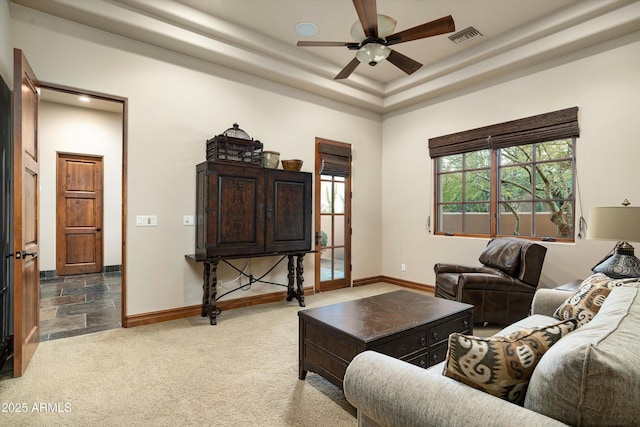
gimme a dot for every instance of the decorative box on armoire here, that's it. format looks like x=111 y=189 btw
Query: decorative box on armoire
x=244 y=210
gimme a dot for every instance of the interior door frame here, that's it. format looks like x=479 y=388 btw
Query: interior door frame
x=346 y=281
x=125 y=108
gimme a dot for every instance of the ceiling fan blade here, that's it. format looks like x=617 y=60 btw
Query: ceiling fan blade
x=433 y=28
x=346 y=71
x=405 y=63
x=368 y=15
x=314 y=43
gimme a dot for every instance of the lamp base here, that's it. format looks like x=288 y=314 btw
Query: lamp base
x=622 y=265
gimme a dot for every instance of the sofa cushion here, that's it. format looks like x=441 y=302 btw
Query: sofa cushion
x=592 y=376
x=586 y=301
x=502 y=365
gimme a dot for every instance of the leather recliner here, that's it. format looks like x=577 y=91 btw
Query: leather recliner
x=501 y=290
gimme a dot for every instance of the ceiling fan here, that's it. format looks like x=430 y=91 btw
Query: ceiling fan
x=374 y=36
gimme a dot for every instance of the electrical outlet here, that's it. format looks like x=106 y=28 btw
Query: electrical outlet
x=403 y=267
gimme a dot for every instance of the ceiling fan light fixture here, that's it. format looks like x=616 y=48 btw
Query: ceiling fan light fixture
x=386 y=26
x=372 y=53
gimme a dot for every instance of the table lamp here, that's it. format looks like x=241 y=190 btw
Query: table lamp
x=621 y=223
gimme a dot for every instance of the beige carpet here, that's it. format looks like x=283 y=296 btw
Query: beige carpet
x=242 y=372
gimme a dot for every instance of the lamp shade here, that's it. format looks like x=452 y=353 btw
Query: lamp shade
x=619 y=223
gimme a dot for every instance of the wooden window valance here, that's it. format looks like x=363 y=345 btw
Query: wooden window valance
x=334 y=160
x=543 y=127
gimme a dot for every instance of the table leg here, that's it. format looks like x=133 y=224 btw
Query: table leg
x=209 y=291
x=295 y=273
x=302 y=373
x=300 y=280
x=290 y=276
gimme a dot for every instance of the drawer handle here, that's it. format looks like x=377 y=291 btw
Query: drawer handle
x=423 y=363
x=435 y=357
x=466 y=323
x=423 y=341
x=434 y=335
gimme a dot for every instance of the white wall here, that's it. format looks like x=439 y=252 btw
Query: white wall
x=603 y=84
x=67 y=129
x=6 y=47
x=175 y=104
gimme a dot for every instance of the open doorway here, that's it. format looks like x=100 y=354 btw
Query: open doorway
x=76 y=130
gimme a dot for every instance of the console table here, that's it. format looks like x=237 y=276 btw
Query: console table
x=210 y=279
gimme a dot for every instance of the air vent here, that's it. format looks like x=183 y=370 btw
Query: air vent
x=465 y=35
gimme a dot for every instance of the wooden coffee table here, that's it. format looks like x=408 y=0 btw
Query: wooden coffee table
x=406 y=325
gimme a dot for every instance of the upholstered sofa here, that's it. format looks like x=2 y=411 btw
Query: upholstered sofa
x=590 y=376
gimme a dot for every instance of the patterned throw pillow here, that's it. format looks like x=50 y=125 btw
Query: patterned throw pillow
x=587 y=300
x=502 y=365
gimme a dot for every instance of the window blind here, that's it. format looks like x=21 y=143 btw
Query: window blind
x=543 y=127
x=334 y=160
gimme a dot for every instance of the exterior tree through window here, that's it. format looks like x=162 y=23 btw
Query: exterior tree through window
x=521 y=185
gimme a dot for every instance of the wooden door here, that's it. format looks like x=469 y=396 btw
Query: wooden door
x=79 y=213
x=289 y=212
x=333 y=215
x=26 y=279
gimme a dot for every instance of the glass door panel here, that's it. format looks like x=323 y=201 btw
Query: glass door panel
x=333 y=265
x=332 y=228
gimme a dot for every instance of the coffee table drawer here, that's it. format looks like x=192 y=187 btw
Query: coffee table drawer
x=441 y=332
x=405 y=345
x=430 y=358
x=337 y=342
x=438 y=354
x=422 y=360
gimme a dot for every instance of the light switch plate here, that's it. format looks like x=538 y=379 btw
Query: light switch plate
x=188 y=220
x=146 y=220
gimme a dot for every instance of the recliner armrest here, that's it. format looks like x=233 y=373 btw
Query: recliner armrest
x=453 y=268
x=492 y=282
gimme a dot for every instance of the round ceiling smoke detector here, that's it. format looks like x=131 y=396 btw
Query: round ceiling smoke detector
x=306 y=29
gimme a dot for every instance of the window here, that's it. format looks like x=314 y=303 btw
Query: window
x=523 y=185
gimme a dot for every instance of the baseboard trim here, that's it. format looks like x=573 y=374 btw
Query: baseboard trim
x=196 y=310
x=52 y=274
x=368 y=281
x=395 y=281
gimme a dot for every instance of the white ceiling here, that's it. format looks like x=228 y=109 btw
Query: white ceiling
x=276 y=19
x=257 y=37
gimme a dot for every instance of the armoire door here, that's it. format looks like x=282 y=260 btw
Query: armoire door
x=289 y=211
x=230 y=210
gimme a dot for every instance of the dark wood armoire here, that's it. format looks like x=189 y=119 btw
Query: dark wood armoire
x=246 y=211
x=250 y=211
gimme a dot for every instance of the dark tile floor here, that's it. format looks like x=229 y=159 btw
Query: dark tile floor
x=80 y=304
